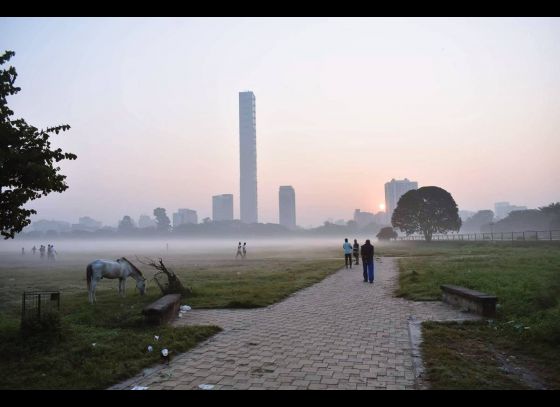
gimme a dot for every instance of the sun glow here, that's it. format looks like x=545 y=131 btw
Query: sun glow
x=382 y=206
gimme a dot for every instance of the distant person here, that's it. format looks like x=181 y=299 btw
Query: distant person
x=239 y=253
x=23 y=251
x=34 y=250
x=367 y=252
x=51 y=253
x=356 y=252
x=347 y=253
x=244 y=249
x=42 y=251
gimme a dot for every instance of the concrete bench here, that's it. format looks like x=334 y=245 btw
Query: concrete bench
x=471 y=300
x=162 y=310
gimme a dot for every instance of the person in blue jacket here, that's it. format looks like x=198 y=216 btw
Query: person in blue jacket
x=347 y=253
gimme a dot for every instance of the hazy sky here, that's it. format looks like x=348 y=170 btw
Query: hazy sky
x=343 y=105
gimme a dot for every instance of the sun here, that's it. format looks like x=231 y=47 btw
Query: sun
x=382 y=206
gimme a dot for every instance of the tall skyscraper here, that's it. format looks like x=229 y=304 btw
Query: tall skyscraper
x=248 y=158
x=393 y=191
x=287 y=202
x=222 y=207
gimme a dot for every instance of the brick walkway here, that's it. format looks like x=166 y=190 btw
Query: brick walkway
x=340 y=333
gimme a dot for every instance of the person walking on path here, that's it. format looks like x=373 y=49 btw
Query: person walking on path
x=239 y=251
x=42 y=251
x=367 y=252
x=347 y=253
x=356 y=252
x=244 y=249
x=34 y=250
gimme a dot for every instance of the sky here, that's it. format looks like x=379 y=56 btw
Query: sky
x=343 y=105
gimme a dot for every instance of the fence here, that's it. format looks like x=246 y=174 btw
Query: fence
x=36 y=304
x=528 y=235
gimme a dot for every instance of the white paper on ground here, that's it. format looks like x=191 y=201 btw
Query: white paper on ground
x=139 y=388
x=206 y=386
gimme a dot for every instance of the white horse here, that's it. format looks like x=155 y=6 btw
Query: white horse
x=120 y=268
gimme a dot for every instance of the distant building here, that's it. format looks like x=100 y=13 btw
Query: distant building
x=183 y=216
x=464 y=215
x=222 y=207
x=394 y=189
x=287 y=206
x=87 y=224
x=363 y=218
x=248 y=158
x=380 y=218
x=502 y=209
x=146 y=222
x=44 y=225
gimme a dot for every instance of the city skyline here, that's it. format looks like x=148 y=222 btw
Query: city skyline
x=469 y=105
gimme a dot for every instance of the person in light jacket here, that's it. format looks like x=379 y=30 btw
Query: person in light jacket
x=347 y=253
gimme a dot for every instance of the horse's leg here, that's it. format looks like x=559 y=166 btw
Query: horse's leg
x=120 y=287
x=123 y=286
x=93 y=285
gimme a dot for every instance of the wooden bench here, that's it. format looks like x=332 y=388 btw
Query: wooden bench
x=471 y=300
x=162 y=310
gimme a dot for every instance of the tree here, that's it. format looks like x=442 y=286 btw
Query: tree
x=173 y=284
x=478 y=220
x=126 y=225
x=387 y=233
x=426 y=210
x=27 y=169
x=162 y=220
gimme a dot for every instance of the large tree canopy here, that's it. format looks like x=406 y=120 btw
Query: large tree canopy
x=27 y=169
x=426 y=210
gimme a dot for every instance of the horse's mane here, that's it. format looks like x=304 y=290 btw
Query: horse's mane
x=133 y=266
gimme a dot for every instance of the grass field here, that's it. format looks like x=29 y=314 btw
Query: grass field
x=116 y=326
x=526 y=279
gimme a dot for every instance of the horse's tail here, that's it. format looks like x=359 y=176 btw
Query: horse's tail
x=89 y=274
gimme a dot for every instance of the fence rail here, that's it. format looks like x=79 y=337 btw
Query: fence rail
x=528 y=235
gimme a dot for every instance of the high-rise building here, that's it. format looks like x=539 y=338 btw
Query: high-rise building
x=248 y=158
x=363 y=218
x=287 y=204
x=393 y=192
x=183 y=216
x=222 y=207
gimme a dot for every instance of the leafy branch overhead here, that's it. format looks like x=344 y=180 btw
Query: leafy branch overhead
x=27 y=161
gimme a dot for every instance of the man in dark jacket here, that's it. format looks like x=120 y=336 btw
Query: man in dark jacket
x=367 y=252
x=356 y=252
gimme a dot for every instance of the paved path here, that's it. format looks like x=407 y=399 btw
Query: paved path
x=340 y=333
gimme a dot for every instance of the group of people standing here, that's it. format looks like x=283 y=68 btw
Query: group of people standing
x=366 y=252
x=241 y=250
x=51 y=253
